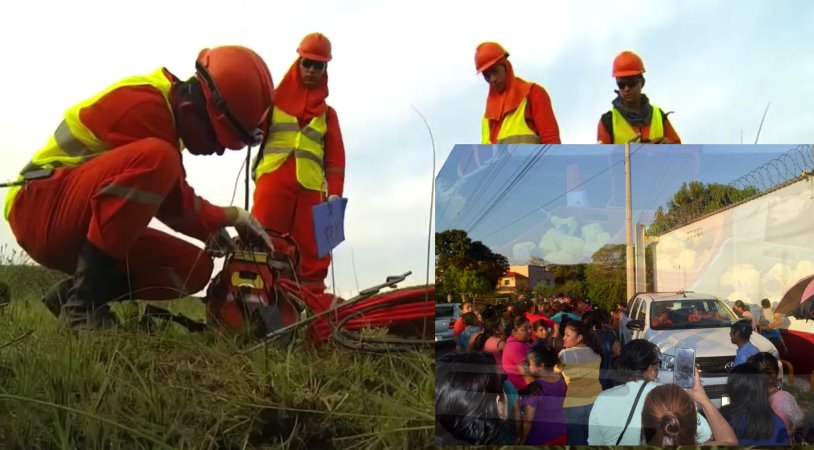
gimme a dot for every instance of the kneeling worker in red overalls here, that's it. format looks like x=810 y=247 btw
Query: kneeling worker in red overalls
x=114 y=163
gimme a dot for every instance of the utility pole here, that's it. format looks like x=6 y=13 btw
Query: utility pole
x=641 y=277
x=629 y=256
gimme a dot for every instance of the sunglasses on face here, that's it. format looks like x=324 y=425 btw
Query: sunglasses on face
x=249 y=137
x=311 y=64
x=630 y=82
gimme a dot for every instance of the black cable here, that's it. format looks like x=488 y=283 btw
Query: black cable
x=562 y=195
x=525 y=170
x=443 y=214
x=483 y=184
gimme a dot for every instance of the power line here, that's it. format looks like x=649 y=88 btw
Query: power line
x=483 y=183
x=541 y=151
x=561 y=195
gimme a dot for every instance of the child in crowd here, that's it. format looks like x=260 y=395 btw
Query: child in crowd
x=544 y=422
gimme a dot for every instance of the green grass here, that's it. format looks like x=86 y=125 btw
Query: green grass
x=130 y=389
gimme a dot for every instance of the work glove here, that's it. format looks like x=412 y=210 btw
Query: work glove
x=250 y=230
x=220 y=243
x=333 y=197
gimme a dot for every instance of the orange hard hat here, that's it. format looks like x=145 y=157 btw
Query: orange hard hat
x=487 y=54
x=315 y=46
x=627 y=64
x=239 y=93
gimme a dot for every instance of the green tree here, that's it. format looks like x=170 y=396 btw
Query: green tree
x=576 y=289
x=545 y=290
x=605 y=276
x=466 y=266
x=565 y=273
x=694 y=199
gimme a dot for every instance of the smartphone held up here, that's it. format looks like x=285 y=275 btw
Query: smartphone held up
x=684 y=375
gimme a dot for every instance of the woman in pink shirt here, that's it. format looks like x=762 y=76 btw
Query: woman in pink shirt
x=515 y=351
x=782 y=402
x=496 y=340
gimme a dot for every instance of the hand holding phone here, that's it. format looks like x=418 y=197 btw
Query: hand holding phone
x=684 y=374
x=697 y=392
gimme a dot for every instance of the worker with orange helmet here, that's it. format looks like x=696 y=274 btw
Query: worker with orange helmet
x=114 y=163
x=517 y=112
x=303 y=160
x=632 y=117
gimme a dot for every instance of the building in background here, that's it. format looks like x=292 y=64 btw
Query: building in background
x=524 y=278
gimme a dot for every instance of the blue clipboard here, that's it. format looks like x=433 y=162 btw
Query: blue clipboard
x=329 y=224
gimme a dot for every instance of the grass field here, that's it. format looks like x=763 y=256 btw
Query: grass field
x=130 y=389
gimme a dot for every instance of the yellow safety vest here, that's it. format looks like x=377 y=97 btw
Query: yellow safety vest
x=624 y=133
x=513 y=129
x=307 y=144
x=73 y=143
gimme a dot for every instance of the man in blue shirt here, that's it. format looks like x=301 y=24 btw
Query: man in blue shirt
x=739 y=334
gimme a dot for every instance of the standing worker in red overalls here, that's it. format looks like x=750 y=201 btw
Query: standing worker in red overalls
x=303 y=159
x=114 y=163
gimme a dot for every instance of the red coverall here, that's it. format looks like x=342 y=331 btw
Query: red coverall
x=110 y=200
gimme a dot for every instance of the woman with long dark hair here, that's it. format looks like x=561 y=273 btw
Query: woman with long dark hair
x=496 y=332
x=470 y=404
x=544 y=422
x=579 y=360
x=749 y=411
x=515 y=350
x=782 y=402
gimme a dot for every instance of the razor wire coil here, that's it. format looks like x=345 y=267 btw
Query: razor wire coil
x=786 y=168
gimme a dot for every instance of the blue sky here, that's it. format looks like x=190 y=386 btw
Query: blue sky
x=528 y=190
x=715 y=63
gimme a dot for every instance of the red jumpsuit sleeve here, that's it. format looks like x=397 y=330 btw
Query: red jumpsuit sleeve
x=670 y=132
x=132 y=113
x=602 y=134
x=542 y=115
x=334 y=155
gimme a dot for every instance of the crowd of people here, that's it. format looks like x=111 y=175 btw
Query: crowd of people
x=553 y=372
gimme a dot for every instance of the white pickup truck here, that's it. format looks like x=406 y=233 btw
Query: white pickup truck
x=697 y=320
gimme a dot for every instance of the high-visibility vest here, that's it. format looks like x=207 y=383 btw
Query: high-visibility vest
x=513 y=128
x=624 y=133
x=306 y=144
x=73 y=143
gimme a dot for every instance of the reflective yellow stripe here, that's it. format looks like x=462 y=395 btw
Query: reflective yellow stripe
x=277 y=127
x=308 y=131
x=313 y=134
x=68 y=142
x=129 y=193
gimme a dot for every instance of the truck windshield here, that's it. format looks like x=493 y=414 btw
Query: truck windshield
x=690 y=313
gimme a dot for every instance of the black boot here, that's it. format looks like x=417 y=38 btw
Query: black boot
x=57 y=296
x=95 y=283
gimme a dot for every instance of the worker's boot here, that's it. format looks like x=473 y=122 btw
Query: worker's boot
x=57 y=296
x=95 y=283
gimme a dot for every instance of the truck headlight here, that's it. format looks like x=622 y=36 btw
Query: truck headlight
x=667 y=362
